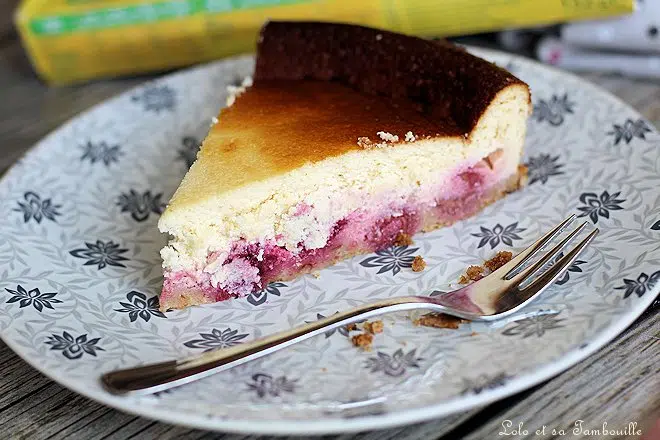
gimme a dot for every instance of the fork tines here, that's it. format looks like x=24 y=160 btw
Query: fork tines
x=518 y=272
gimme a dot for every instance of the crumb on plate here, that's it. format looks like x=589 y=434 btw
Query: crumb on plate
x=499 y=260
x=363 y=340
x=418 y=264
x=473 y=273
x=374 y=327
x=438 y=320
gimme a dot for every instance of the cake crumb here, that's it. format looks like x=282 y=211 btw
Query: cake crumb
x=403 y=239
x=368 y=144
x=364 y=142
x=474 y=334
x=235 y=91
x=363 y=340
x=324 y=370
x=410 y=137
x=499 y=260
x=473 y=273
x=523 y=175
x=379 y=37
x=374 y=327
x=438 y=320
x=351 y=327
x=388 y=137
x=418 y=264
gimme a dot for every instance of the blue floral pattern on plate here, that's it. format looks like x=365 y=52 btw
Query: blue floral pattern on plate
x=80 y=271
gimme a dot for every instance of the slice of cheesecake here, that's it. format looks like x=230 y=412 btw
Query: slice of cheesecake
x=347 y=140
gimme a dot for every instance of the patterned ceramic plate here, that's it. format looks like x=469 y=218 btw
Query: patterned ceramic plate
x=80 y=270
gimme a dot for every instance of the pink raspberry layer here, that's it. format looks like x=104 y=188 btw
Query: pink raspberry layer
x=357 y=233
x=362 y=231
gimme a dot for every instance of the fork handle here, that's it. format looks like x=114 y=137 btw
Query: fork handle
x=161 y=376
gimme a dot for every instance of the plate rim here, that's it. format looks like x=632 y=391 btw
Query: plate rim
x=321 y=426
x=325 y=425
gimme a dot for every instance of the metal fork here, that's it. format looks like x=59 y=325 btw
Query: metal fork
x=498 y=295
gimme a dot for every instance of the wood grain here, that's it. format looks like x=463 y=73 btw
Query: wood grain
x=33 y=407
x=618 y=384
x=7 y=31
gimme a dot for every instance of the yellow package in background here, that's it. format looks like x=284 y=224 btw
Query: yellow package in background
x=76 y=40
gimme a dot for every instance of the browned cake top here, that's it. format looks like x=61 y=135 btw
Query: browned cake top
x=319 y=87
x=277 y=125
x=448 y=85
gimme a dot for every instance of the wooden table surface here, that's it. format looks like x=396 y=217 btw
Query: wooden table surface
x=619 y=384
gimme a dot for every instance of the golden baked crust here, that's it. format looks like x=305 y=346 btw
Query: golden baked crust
x=443 y=81
x=319 y=87
x=277 y=126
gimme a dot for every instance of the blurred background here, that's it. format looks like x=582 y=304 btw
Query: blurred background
x=58 y=57
x=69 y=41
